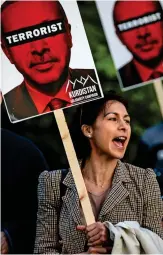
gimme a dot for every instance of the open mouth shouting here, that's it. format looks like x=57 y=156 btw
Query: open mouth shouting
x=120 y=142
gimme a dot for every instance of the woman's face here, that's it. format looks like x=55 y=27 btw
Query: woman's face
x=111 y=131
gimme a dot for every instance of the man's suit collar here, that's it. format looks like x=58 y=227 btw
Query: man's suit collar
x=19 y=103
x=129 y=75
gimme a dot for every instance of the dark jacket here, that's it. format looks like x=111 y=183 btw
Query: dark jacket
x=21 y=164
x=150 y=151
x=129 y=75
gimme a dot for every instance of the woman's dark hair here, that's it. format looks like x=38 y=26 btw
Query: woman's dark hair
x=87 y=115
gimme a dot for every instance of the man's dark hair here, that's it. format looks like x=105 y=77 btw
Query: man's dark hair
x=87 y=114
x=8 y=3
x=156 y=2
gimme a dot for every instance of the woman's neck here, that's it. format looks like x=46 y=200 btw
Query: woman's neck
x=99 y=170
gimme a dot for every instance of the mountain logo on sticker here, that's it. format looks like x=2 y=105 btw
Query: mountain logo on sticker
x=82 y=82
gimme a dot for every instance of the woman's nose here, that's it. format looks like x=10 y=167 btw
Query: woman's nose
x=122 y=125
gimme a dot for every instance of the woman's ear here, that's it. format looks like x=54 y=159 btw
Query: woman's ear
x=87 y=130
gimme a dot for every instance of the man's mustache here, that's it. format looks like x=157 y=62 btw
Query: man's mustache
x=145 y=42
x=43 y=60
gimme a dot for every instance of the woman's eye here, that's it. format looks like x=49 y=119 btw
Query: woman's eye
x=127 y=121
x=114 y=119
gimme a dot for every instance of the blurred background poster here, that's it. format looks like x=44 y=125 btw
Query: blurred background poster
x=134 y=33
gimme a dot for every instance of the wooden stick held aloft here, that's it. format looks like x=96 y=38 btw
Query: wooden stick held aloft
x=74 y=165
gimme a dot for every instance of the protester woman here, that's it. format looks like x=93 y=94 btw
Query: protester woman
x=118 y=191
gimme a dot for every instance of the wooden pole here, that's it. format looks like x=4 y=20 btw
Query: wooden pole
x=74 y=165
x=158 y=86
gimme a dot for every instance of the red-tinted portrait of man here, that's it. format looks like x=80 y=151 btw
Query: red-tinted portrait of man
x=36 y=38
x=139 y=26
